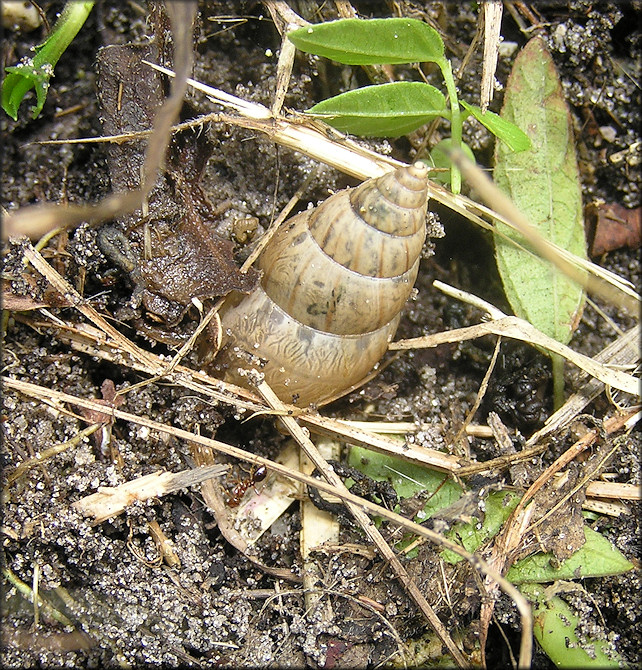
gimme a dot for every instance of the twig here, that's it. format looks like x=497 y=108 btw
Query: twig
x=519 y=523
x=75 y=299
x=36 y=220
x=480 y=393
x=110 y=501
x=492 y=13
x=56 y=449
x=323 y=143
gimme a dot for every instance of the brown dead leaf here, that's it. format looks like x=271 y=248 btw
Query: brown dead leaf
x=613 y=227
x=21 y=302
x=109 y=399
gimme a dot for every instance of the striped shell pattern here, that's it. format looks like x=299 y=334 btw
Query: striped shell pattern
x=335 y=279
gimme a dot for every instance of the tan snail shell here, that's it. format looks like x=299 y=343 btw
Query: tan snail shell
x=335 y=279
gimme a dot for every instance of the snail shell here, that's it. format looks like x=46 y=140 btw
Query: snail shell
x=335 y=279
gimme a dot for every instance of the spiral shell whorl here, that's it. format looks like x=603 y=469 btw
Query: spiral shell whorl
x=335 y=279
x=302 y=364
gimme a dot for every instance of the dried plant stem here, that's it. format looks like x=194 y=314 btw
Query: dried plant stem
x=609 y=427
x=325 y=144
x=519 y=329
x=54 y=450
x=34 y=221
x=108 y=502
x=519 y=523
x=492 y=13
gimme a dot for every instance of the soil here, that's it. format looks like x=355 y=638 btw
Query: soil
x=124 y=608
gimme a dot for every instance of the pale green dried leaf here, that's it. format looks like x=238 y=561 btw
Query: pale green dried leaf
x=544 y=184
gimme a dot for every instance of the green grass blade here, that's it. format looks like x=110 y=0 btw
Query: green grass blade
x=515 y=138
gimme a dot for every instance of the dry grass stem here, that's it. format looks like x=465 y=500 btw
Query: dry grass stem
x=317 y=526
x=520 y=524
x=519 y=329
x=614 y=491
x=337 y=489
x=109 y=501
x=36 y=220
x=387 y=553
x=622 y=352
x=325 y=144
x=292 y=470
x=492 y=17
x=365 y=522
x=52 y=451
x=110 y=344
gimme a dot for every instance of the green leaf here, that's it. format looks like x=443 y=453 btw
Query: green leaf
x=37 y=71
x=596 y=558
x=471 y=536
x=555 y=627
x=516 y=139
x=544 y=184
x=407 y=479
x=18 y=82
x=386 y=110
x=372 y=41
x=439 y=491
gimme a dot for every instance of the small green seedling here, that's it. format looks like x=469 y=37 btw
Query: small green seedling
x=538 y=170
x=37 y=71
x=391 y=110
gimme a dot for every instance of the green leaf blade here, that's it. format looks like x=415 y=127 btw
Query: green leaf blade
x=371 y=42
x=544 y=184
x=555 y=626
x=36 y=72
x=515 y=138
x=498 y=507
x=407 y=479
x=596 y=558
x=19 y=81
x=386 y=110
x=14 y=88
